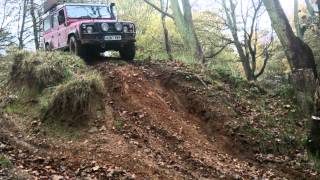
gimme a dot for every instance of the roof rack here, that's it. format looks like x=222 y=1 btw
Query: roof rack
x=51 y=4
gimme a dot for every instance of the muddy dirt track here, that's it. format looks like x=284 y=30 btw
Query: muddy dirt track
x=159 y=122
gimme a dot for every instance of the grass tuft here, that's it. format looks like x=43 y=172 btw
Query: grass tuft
x=60 y=86
x=76 y=100
x=37 y=71
x=5 y=162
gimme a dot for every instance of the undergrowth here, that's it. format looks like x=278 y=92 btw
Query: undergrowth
x=76 y=99
x=269 y=118
x=54 y=86
x=37 y=71
x=5 y=162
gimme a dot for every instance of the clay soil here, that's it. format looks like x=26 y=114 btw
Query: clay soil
x=159 y=122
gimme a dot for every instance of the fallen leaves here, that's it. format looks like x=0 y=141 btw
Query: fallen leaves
x=170 y=142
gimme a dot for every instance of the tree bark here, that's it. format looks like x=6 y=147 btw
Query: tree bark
x=22 y=28
x=309 y=7
x=34 y=25
x=297 y=20
x=232 y=25
x=299 y=54
x=184 y=23
x=164 y=8
x=301 y=60
x=4 y=14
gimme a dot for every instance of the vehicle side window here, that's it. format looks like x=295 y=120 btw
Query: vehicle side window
x=55 y=20
x=47 y=23
x=61 y=17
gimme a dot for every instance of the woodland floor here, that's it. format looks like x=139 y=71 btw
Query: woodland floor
x=160 y=121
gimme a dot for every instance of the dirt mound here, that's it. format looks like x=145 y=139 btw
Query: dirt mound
x=160 y=122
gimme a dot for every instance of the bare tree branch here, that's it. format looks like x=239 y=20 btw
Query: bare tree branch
x=219 y=51
x=158 y=9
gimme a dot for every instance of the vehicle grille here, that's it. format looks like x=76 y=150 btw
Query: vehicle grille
x=97 y=28
x=112 y=28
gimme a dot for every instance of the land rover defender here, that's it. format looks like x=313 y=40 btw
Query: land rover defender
x=87 y=29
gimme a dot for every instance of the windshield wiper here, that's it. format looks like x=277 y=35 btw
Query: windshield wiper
x=85 y=17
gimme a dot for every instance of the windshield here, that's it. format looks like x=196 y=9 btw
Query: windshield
x=82 y=11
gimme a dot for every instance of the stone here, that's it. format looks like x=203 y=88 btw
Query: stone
x=96 y=168
x=2 y=146
x=57 y=177
x=93 y=130
x=103 y=128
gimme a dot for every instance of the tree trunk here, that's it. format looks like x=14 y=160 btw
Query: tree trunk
x=182 y=17
x=184 y=23
x=22 y=28
x=301 y=60
x=4 y=14
x=34 y=25
x=244 y=60
x=297 y=20
x=314 y=143
x=299 y=54
x=232 y=25
x=309 y=7
x=319 y=14
x=165 y=29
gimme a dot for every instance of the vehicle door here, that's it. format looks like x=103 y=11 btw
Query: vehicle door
x=47 y=31
x=63 y=34
x=55 y=31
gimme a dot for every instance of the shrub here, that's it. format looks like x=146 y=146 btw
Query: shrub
x=285 y=91
x=76 y=100
x=4 y=71
x=63 y=88
x=226 y=74
x=5 y=162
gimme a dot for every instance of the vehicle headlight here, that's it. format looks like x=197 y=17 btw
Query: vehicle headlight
x=118 y=26
x=83 y=26
x=105 y=26
x=89 y=29
x=125 y=29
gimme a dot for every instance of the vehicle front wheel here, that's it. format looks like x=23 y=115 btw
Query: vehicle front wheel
x=47 y=47
x=128 y=52
x=93 y=51
x=75 y=47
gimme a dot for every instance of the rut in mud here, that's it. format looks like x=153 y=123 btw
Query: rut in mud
x=159 y=122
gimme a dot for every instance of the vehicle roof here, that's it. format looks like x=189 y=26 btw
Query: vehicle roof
x=72 y=4
x=81 y=4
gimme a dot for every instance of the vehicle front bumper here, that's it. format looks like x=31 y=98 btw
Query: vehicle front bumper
x=98 y=39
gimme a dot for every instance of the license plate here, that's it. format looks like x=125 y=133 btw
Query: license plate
x=112 y=38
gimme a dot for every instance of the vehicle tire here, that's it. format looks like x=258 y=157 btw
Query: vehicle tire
x=47 y=47
x=93 y=51
x=75 y=47
x=128 y=52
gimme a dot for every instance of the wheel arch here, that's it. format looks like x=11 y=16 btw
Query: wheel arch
x=75 y=34
x=47 y=45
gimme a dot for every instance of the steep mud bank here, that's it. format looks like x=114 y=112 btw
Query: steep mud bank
x=159 y=122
